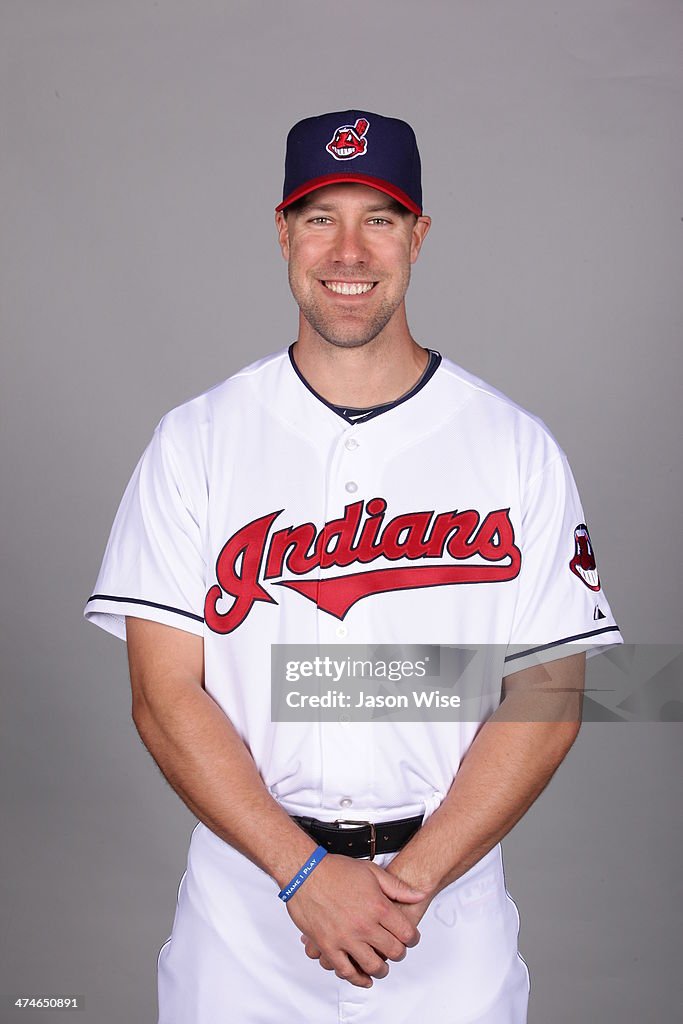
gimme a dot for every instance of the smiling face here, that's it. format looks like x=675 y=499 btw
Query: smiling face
x=349 y=250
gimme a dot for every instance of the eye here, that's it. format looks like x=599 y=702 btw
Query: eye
x=318 y=220
x=379 y=220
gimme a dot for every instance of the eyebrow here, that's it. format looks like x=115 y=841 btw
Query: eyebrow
x=329 y=207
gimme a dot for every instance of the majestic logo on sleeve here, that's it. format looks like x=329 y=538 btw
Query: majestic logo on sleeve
x=583 y=562
x=349 y=141
x=482 y=551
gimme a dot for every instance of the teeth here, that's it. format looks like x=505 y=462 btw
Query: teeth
x=348 y=288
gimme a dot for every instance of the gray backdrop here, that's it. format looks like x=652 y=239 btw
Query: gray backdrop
x=142 y=159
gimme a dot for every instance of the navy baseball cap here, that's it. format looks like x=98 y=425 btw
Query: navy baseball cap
x=353 y=145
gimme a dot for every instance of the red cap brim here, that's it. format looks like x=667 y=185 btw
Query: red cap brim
x=361 y=179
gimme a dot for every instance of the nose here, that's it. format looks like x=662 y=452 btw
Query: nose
x=349 y=245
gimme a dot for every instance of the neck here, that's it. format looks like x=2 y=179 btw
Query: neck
x=381 y=371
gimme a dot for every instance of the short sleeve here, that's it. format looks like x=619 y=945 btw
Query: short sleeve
x=561 y=608
x=153 y=566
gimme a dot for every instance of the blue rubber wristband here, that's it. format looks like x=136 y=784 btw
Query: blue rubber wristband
x=301 y=876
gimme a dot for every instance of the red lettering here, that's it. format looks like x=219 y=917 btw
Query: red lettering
x=462 y=544
x=343 y=530
x=367 y=550
x=301 y=540
x=301 y=549
x=496 y=538
x=413 y=527
x=242 y=584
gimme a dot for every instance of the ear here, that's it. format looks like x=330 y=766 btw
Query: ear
x=282 y=233
x=420 y=229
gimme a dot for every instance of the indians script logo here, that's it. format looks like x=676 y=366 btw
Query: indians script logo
x=359 y=538
x=583 y=563
x=349 y=141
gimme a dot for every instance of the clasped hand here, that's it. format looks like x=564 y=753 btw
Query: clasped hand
x=354 y=916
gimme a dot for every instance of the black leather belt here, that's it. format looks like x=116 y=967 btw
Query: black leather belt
x=360 y=838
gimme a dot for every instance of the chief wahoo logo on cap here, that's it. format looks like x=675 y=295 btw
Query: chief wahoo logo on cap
x=349 y=141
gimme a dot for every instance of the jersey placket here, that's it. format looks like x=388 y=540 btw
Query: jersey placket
x=347 y=754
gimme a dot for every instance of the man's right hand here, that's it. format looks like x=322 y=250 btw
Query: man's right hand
x=345 y=906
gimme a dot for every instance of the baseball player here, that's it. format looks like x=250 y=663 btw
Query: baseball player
x=353 y=488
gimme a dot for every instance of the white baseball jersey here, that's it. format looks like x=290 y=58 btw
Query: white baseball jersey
x=259 y=515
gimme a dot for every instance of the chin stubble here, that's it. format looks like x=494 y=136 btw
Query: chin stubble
x=354 y=336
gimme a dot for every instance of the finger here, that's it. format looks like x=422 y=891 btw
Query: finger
x=396 y=889
x=400 y=927
x=367 y=960
x=387 y=945
x=312 y=950
x=347 y=970
x=326 y=964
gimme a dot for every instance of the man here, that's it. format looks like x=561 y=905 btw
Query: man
x=287 y=506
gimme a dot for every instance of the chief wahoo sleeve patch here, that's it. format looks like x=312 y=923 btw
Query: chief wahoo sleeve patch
x=583 y=563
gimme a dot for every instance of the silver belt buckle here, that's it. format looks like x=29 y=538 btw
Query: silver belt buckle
x=345 y=822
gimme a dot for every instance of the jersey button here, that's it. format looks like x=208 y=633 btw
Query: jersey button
x=342 y=630
x=350 y=444
x=351 y=487
x=346 y=801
